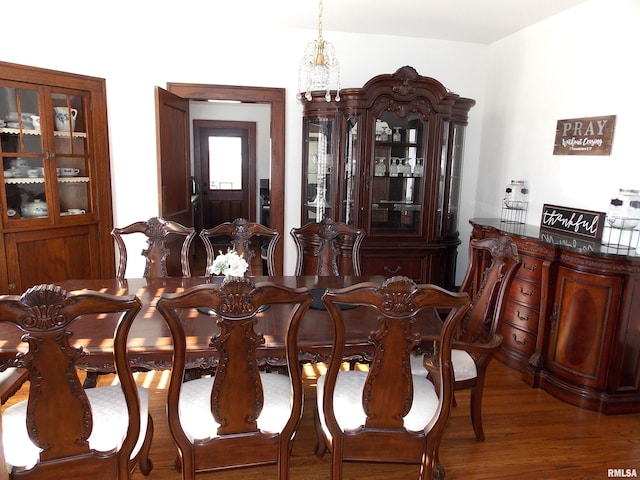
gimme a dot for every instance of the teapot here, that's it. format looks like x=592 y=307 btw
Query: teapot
x=36 y=208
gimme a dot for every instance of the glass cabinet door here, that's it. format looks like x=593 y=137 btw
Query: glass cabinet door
x=70 y=153
x=43 y=145
x=397 y=184
x=351 y=177
x=23 y=152
x=318 y=183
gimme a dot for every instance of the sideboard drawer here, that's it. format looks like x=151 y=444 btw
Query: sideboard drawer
x=524 y=292
x=522 y=316
x=517 y=339
x=530 y=269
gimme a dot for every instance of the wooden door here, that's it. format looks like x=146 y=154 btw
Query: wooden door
x=174 y=167
x=227 y=179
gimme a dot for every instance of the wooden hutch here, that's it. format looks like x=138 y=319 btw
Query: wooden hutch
x=55 y=193
x=387 y=158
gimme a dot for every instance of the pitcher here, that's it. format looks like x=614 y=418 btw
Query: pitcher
x=65 y=119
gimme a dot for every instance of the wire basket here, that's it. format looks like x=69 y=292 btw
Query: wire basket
x=514 y=212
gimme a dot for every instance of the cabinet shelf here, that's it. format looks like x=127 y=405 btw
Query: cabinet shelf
x=27 y=180
x=26 y=131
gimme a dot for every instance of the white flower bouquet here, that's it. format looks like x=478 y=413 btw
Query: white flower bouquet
x=229 y=264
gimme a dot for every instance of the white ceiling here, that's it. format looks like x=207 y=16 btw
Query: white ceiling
x=476 y=21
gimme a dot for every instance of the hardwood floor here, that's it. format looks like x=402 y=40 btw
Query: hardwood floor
x=529 y=435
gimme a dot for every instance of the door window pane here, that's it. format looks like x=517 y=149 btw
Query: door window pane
x=225 y=163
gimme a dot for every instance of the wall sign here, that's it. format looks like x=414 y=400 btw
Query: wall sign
x=585 y=136
x=572 y=221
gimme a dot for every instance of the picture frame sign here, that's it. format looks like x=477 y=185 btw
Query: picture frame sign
x=572 y=221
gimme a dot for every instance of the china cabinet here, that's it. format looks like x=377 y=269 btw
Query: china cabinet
x=55 y=197
x=387 y=158
x=572 y=320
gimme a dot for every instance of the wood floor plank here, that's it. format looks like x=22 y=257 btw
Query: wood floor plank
x=529 y=435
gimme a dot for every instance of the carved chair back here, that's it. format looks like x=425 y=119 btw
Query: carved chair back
x=492 y=264
x=386 y=425
x=61 y=430
x=248 y=239
x=328 y=248
x=239 y=409
x=158 y=231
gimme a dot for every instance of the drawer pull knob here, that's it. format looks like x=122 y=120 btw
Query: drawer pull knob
x=394 y=271
x=531 y=268
x=524 y=319
x=526 y=294
x=519 y=342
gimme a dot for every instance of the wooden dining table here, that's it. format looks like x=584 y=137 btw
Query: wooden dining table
x=150 y=346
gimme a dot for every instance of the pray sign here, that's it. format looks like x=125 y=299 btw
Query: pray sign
x=585 y=136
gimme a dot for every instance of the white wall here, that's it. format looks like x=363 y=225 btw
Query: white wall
x=580 y=63
x=138 y=45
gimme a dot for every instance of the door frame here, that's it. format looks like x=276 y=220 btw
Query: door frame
x=275 y=98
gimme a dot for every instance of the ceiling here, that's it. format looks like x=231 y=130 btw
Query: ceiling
x=475 y=21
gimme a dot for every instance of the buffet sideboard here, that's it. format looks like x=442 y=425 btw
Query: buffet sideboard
x=572 y=319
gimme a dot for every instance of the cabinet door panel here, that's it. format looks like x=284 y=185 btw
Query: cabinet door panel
x=578 y=348
x=47 y=256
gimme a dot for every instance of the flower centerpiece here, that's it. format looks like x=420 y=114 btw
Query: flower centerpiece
x=229 y=264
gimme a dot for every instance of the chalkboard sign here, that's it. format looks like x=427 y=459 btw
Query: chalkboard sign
x=572 y=221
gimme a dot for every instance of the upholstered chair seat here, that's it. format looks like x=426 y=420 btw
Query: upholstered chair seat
x=110 y=423
x=195 y=406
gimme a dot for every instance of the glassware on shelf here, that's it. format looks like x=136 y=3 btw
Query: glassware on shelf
x=418 y=169
x=394 y=165
x=405 y=168
x=380 y=168
x=396 y=134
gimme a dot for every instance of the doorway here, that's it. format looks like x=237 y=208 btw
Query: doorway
x=225 y=170
x=275 y=98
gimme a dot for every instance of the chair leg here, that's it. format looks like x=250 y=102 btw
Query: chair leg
x=91 y=380
x=321 y=443
x=476 y=409
x=144 y=462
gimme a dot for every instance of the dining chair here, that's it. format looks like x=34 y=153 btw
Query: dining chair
x=240 y=416
x=493 y=262
x=62 y=430
x=158 y=231
x=328 y=248
x=386 y=414
x=253 y=241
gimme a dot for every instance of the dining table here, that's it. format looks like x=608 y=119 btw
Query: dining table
x=149 y=343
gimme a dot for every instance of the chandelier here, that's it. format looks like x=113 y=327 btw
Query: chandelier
x=318 y=67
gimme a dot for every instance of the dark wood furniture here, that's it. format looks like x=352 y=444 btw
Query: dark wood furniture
x=405 y=121
x=149 y=339
x=61 y=430
x=572 y=320
x=248 y=239
x=492 y=266
x=238 y=417
x=163 y=237
x=387 y=414
x=327 y=248
x=68 y=172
